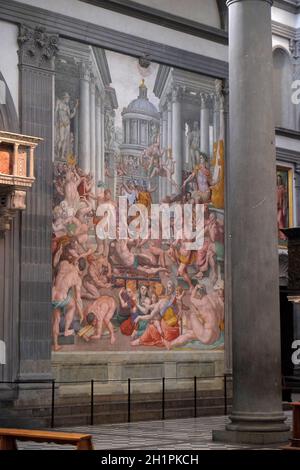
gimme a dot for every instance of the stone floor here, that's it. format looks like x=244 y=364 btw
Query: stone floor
x=181 y=434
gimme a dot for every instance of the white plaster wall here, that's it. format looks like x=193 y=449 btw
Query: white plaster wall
x=133 y=26
x=279 y=41
x=285 y=17
x=202 y=11
x=9 y=59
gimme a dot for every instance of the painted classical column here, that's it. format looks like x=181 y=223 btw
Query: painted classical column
x=93 y=127
x=84 y=119
x=177 y=135
x=204 y=136
x=169 y=139
x=102 y=159
x=257 y=415
x=216 y=109
x=98 y=175
x=164 y=145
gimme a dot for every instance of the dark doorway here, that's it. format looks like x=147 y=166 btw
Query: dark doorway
x=287 y=336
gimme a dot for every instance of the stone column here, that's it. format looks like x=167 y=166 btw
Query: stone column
x=84 y=119
x=102 y=159
x=204 y=136
x=257 y=415
x=297 y=195
x=223 y=108
x=127 y=141
x=168 y=188
x=98 y=175
x=216 y=109
x=93 y=128
x=164 y=145
x=37 y=51
x=177 y=136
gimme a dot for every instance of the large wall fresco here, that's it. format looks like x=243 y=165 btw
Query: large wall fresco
x=151 y=134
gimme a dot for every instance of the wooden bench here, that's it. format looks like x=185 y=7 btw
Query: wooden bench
x=8 y=438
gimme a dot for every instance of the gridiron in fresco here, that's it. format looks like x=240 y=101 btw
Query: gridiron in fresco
x=151 y=135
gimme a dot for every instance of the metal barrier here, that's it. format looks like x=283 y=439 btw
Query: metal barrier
x=53 y=384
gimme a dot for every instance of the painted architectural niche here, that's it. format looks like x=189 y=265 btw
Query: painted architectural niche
x=151 y=134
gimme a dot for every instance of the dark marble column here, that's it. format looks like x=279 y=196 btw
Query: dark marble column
x=37 y=50
x=257 y=415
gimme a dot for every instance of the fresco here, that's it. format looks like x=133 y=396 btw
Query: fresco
x=151 y=134
x=284 y=202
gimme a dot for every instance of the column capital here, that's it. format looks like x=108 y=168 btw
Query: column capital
x=205 y=100
x=93 y=84
x=229 y=2
x=37 y=48
x=294 y=47
x=84 y=71
x=176 y=94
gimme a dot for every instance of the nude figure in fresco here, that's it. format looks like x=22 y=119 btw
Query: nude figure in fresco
x=136 y=261
x=99 y=315
x=201 y=178
x=206 y=255
x=71 y=194
x=203 y=321
x=98 y=274
x=79 y=226
x=66 y=297
x=184 y=257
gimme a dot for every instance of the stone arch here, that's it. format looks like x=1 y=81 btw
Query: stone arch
x=282 y=92
x=8 y=114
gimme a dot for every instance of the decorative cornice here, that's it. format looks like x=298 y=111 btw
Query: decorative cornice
x=162 y=18
x=288 y=156
x=283 y=30
x=36 y=47
x=230 y=2
x=293 y=6
x=287 y=133
x=100 y=36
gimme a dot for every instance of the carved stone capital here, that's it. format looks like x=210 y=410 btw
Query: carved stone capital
x=295 y=48
x=205 y=100
x=84 y=71
x=177 y=94
x=37 y=47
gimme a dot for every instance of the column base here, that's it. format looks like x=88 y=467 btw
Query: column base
x=251 y=437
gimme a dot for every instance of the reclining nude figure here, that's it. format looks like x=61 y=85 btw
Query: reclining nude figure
x=99 y=314
x=137 y=261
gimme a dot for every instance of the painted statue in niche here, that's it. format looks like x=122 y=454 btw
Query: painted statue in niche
x=63 y=135
x=141 y=293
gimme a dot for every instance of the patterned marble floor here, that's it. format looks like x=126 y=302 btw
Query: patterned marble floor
x=181 y=434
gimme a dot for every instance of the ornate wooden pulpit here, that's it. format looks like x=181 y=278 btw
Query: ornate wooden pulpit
x=16 y=174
